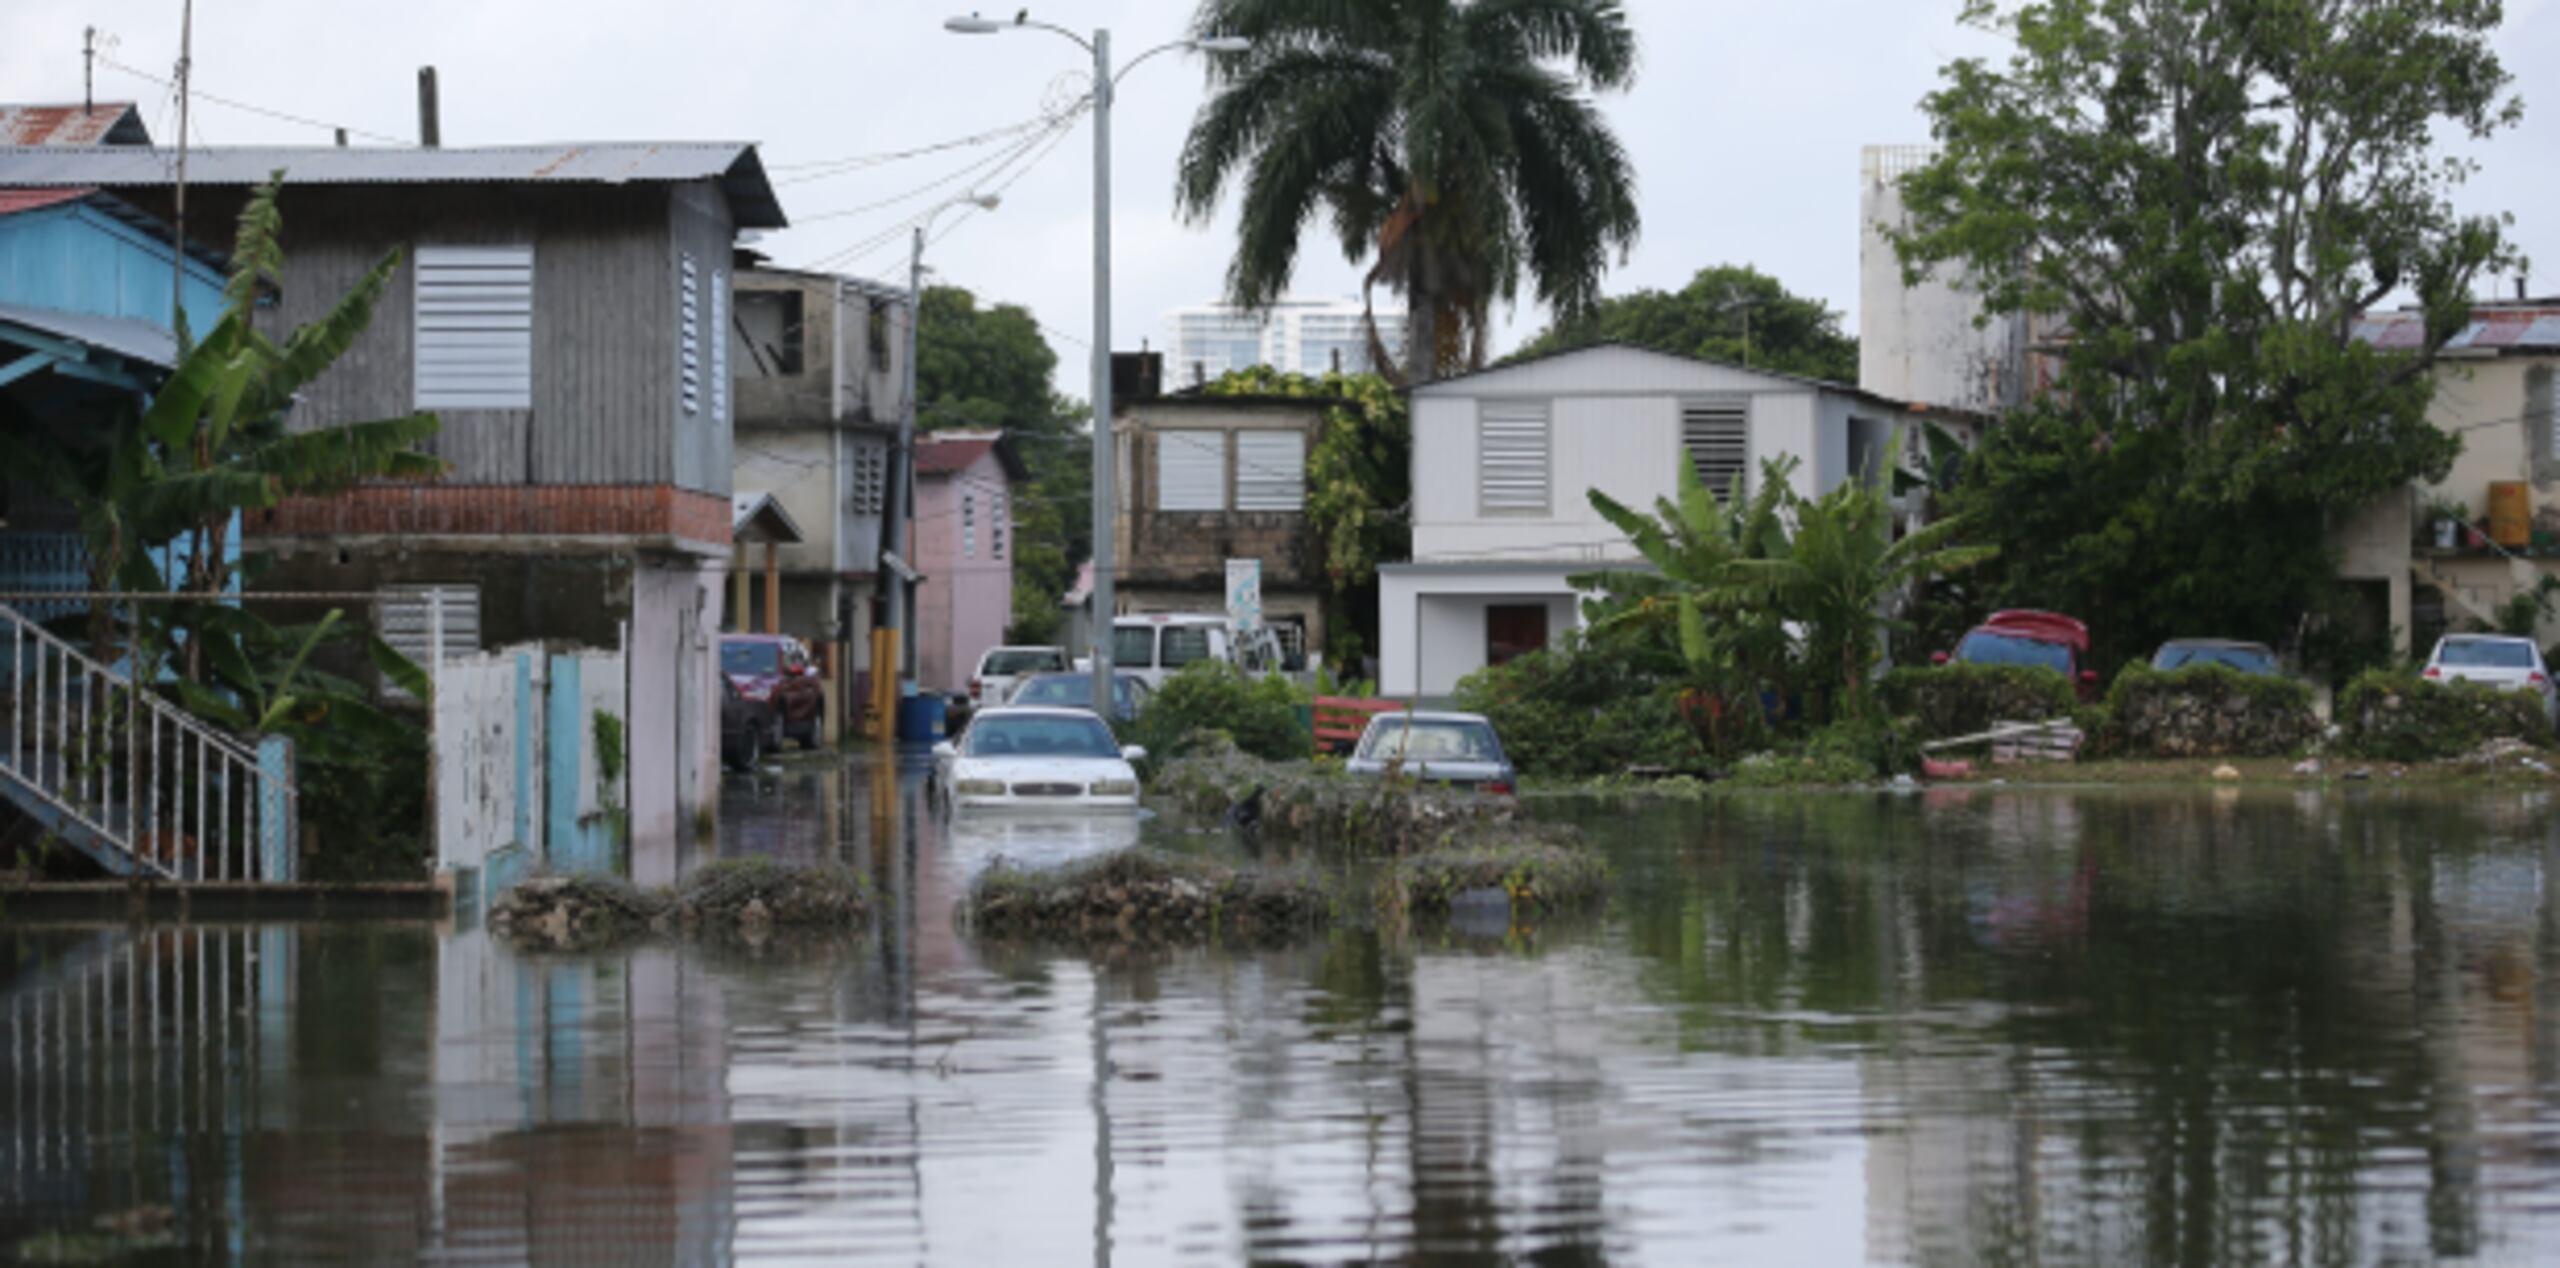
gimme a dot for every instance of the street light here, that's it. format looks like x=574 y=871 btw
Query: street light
x=887 y=657
x=1105 y=467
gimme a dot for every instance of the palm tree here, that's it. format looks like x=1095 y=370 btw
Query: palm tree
x=1451 y=141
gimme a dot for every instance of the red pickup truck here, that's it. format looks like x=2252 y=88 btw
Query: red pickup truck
x=2023 y=636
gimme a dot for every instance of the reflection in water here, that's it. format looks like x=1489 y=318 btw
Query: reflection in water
x=1973 y=1027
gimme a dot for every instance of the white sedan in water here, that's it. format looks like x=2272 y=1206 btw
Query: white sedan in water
x=1036 y=759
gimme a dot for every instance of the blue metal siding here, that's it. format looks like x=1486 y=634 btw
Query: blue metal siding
x=76 y=258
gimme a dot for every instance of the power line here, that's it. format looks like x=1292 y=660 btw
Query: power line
x=1028 y=153
x=280 y=115
x=824 y=169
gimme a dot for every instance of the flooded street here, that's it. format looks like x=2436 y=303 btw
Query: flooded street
x=1967 y=1026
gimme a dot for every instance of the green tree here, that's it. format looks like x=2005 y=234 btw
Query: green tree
x=1450 y=141
x=2204 y=193
x=1731 y=313
x=1359 y=479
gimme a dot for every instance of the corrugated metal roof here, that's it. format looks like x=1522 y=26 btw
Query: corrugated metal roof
x=942 y=457
x=2521 y=328
x=104 y=123
x=135 y=340
x=734 y=164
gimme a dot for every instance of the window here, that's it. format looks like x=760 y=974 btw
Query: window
x=1512 y=456
x=1271 y=471
x=869 y=480
x=969 y=525
x=1184 y=644
x=1191 y=471
x=411 y=616
x=995 y=526
x=1133 y=646
x=770 y=325
x=719 y=345
x=688 y=334
x=474 y=340
x=1716 y=435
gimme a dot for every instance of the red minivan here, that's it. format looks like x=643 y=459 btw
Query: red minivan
x=775 y=668
x=2023 y=636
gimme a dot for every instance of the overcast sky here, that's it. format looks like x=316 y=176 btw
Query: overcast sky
x=1745 y=121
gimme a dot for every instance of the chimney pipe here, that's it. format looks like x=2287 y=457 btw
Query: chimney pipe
x=342 y=138
x=2520 y=293
x=430 y=134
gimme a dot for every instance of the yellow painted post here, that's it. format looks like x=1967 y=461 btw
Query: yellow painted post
x=773 y=587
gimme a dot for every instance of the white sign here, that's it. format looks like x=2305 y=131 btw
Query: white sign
x=1244 y=594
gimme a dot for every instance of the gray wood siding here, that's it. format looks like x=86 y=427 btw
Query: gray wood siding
x=604 y=321
x=698 y=223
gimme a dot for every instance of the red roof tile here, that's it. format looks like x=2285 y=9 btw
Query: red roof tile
x=13 y=201
x=942 y=457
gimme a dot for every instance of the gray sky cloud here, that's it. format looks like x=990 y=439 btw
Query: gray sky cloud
x=1745 y=122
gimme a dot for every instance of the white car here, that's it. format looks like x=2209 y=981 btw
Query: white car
x=1001 y=669
x=2496 y=659
x=1036 y=758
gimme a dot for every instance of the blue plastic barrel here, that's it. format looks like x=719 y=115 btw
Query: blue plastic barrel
x=920 y=718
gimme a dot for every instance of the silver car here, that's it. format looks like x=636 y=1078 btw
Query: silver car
x=1458 y=749
x=2496 y=659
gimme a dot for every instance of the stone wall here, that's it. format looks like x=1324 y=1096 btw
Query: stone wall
x=2206 y=711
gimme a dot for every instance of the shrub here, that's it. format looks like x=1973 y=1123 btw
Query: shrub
x=1531 y=873
x=2206 y=711
x=2401 y=717
x=721 y=895
x=1584 y=712
x=1951 y=700
x=1211 y=697
x=1850 y=751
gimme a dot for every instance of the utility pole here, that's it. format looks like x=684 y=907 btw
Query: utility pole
x=888 y=656
x=1105 y=465
x=178 y=220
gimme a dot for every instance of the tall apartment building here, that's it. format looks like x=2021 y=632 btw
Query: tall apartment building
x=1307 y=336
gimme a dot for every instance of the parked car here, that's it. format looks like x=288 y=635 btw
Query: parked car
x=1129 y=693
x=1458 y=749
x=1036 y=758
x=1001 y=669
x=2498 y=660
x=2023 y=636
x=775 y=669
x=747 y=727
x=2187 y=653
x=1156 y=646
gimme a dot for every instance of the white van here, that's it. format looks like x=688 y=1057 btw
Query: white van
x=1156 y=646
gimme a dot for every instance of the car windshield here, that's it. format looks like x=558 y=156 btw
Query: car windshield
x=2248 y=660
x=1134 y=646
x=1041 y=736
x=750 y=658
x=1985 y=647
x=1390 y=739
x=1070 y=690
x=1023 y=661
x=2485 y=653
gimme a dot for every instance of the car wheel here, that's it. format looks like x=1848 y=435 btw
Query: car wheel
x=815 y=733
x=750 y=752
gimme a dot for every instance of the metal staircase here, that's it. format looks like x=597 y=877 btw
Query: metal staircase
x=139 y=786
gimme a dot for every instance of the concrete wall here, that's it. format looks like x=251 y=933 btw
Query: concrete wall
x=674 y=728
x=1922 y=343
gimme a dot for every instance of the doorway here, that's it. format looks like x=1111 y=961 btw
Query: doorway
x=1513 y=629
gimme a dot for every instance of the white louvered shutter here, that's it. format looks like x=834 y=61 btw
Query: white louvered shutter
x=969 y=525
x=474 y=327
x=408 y=623
x=1716 y=436
x=1513 y=457
x=688 y=333
x=719 y=345
x=1271 y=471
x=1191 y=471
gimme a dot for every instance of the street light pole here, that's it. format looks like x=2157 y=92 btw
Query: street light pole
x=1106 y=464
x=1100 y=632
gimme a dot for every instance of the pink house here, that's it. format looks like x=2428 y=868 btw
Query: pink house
x=963 y=540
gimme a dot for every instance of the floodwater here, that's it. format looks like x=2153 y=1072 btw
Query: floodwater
x=1981 y=1026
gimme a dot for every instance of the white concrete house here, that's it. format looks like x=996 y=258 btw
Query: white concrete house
x=1503 y=460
